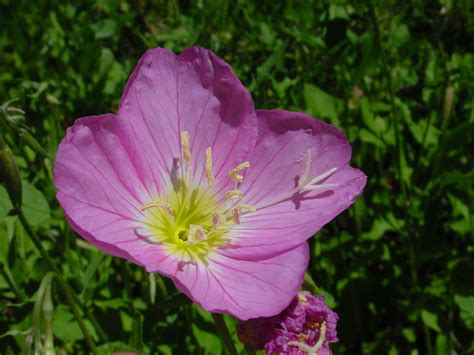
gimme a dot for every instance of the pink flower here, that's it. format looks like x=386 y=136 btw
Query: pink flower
x=188 y=180
x=306 y=326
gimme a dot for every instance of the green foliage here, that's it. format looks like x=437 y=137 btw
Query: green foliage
x=395 y=76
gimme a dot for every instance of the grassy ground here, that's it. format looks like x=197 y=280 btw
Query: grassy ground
x=398 y=267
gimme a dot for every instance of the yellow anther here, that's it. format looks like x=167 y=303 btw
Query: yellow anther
x=163 y=205
x=185 y=147
x=243 y=206
x=234 y=194
x=236 y=215
x=234 y=174
x=237 y=211
x=302 y=298
x=210 y=178
x=218 y=219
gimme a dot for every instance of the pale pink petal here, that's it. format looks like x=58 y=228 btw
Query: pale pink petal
x=241 y=288
x=102 y=181
x=196 y=92
x=276 y=165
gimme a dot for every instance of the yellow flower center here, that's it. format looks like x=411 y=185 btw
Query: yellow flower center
x=186 y=223
x=188 y=220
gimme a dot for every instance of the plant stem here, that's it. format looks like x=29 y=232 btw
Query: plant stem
x=68 y=292
x=224 y=333
x=250 y=350
x=5 y=270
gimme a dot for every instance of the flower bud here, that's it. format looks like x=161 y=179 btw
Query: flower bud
x=9 y=175
x=306 y=326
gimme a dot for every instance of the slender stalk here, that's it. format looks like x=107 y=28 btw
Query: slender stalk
x=250 y=350
x=11 y=282
x=224 y=333
x=68 y=292
x=47 y=307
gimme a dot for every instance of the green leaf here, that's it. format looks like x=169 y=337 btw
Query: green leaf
x=367 y=115
x=127 y=321
x=210 y=342
x=15 y=332
x=137 y=332
x=442 y=345
x=460 y=221
x=105 y=28
x=369 y=50
x=265 y=70
x=379 y=228
x=35 y=206
x=321 y=105
x=466 y=305
x=5 y=203
x=367 y=136
x=409 y=334
x=64 y=325
x=431 y=320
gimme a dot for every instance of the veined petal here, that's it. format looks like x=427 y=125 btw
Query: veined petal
x=101 y=196
x=196 y=92
x=278 y=163
x=244 y=289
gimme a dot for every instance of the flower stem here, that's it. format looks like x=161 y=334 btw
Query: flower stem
x=68 y=292
x=250 y=349
x=224 y=333
x=5 y=270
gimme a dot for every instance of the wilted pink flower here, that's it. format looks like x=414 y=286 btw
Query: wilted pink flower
x=188 y=180
x=306 y=326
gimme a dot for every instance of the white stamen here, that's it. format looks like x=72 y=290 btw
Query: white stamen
x=307 y=166
x=166 y=206
x=319 y=187
x=309 y=186
x=322 y=176
x=312 y=350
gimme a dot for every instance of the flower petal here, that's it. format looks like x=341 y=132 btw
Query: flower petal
x=102 y=181
x=276 y=165
x=196 y=92
x=241 y=288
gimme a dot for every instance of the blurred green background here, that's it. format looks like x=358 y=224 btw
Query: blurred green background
x=396 y=76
